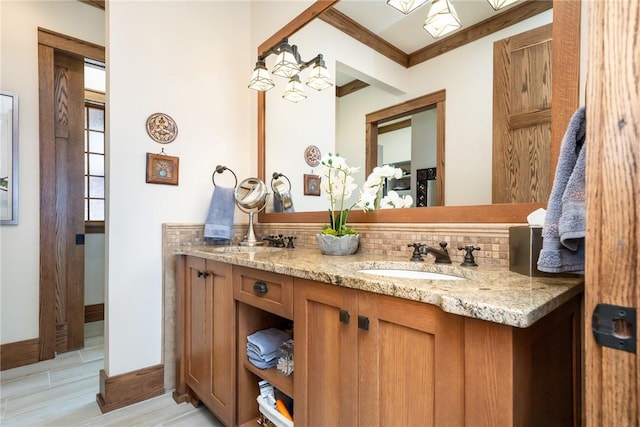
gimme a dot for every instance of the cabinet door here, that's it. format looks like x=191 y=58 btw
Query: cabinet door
x=195 y=327
x=325 y=377
x=411 y=364
x=221 y=334
x=209 y=325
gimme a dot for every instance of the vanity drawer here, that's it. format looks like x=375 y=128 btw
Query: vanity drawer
x=268 y=291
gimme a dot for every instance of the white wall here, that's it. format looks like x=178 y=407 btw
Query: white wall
x=191 y=61
x=19 y=244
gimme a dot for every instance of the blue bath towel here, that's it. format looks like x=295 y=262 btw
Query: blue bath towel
x=564 y=228
x=265 y=343
x=218 y=226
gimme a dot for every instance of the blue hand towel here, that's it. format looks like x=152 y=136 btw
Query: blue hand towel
x=219 y=223
x=564 y=228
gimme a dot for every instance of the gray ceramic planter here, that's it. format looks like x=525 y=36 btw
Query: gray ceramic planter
x=332 y=245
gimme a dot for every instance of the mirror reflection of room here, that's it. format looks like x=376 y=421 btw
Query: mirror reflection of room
x=337 y=123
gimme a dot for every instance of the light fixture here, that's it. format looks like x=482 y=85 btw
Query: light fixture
x=295 y=90
x=319 y=78
x=286 y=64
x=407 y=6
x=441 y=19
x=260 y=79
x=499 y=4
x=289 y=64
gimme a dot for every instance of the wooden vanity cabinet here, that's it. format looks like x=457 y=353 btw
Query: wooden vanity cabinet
x=205 y=336
x=372 y=360
x=364 y=359
x=264 y=300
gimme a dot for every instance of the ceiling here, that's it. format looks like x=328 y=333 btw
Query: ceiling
x=405 y=31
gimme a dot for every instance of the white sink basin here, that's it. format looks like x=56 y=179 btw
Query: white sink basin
x=410 y=274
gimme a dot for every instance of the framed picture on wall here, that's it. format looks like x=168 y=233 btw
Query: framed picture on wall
x=162 y=169
x=311 y=185
x=8 y=158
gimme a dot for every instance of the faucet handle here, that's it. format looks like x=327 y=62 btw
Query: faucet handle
x=469 y=260
x=416 y=256
x=290 y=242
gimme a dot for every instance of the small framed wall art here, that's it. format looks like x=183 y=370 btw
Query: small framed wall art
x=311 y=185
x=162 y=169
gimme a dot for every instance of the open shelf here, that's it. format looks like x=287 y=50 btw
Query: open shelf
x=281 y=382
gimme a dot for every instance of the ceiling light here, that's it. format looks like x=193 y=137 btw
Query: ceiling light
x=408 y=6
x=499 y=4
x=319 y=78
x=295 y=90
x=260 y=79
x=442 y=19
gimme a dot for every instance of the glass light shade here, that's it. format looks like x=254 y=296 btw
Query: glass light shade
x=319 y=77
x=442 y=19
x=286 y=64
x=260 y=79
x=499 y=4
x=295 y=90
x=407 y=6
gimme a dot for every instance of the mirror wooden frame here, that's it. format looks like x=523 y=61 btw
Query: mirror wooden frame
x=565 y=95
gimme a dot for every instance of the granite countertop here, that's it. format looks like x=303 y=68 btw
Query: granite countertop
x=488 y=293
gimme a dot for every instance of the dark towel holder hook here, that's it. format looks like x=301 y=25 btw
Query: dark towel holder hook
x=220 y=169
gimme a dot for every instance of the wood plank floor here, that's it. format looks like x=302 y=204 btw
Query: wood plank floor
x=62 y=392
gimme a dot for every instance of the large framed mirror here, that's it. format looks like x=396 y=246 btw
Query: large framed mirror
x=565 y=86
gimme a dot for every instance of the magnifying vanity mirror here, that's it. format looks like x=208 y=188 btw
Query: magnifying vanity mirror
x=352 y=125
x=251 y=198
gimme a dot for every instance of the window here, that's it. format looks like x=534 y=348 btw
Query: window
x=94 y=160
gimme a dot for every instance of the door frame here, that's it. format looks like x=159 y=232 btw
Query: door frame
x=50 y=42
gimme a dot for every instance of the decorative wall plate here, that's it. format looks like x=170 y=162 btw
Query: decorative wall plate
x=162 y=128
x=312 y=156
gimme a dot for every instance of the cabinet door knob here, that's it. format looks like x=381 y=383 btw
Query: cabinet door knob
x=260 y=288
x=202 y=274
x=363 y=323
x=344 y=316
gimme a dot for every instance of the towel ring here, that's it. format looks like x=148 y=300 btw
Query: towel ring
x=277 y=175
x=220 y=169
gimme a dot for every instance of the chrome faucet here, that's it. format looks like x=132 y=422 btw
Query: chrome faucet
x=441 y=255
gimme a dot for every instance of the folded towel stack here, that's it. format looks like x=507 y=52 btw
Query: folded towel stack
x=262 y=347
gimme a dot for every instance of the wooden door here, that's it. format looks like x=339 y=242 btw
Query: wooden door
x=612 y=377
x=326 y=356
x=61 y=103
x=522 y=117
x=62 y=198
x=411 y=364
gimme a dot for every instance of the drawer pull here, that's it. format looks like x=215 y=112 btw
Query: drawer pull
x=344 y=316
x=260 y=288
x=363 y=323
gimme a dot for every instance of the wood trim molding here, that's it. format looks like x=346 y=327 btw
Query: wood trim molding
x=348 y=88
x=133 y=387
x=296 y=23
x=100 y=4
x=19 y=353
x=468 y=35
x=350 y=27
x=70 y=44
x=93 y=313
x=481 y=29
